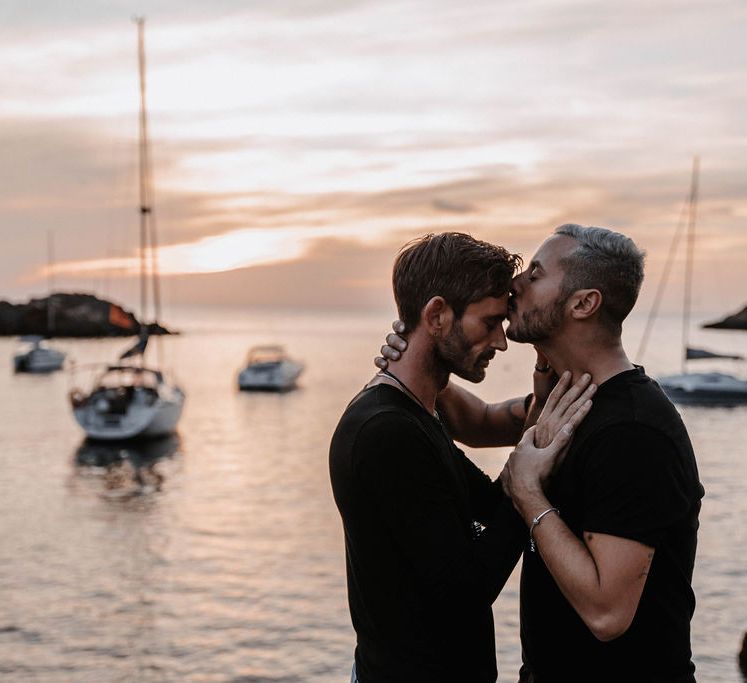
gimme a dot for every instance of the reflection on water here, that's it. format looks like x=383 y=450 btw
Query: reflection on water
x=126 y=468
x=219 y=558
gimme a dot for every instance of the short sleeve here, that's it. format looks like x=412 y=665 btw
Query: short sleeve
x=634 y=484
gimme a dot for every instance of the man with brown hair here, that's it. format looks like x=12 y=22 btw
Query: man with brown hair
x=430 y=540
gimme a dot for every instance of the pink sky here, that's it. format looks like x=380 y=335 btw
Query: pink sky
x=298 y=144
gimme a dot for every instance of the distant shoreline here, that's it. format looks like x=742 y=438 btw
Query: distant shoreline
x=73 y=315
x=738 y=321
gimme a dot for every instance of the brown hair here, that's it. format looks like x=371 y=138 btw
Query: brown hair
x=453 y=265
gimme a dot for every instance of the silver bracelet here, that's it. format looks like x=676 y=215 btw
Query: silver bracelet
x=535 y=522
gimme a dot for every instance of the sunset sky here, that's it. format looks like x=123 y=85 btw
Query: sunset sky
x=298 y=143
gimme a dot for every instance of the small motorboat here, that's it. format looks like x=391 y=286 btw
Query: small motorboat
x=268 y=368
x=128 y=402
x=37 y=356
x=705 y=389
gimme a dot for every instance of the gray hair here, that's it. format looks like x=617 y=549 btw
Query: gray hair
x=604 y=260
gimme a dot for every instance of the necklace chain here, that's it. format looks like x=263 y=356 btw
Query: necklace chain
x=407 y=390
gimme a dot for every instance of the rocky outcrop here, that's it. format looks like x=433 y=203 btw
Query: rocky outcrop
x=738 y=321
x=71 y=315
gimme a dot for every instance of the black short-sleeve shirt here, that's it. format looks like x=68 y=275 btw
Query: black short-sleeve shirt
x=630 y=472
x=421 y=579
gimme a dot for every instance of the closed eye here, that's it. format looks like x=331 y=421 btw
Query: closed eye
x=535 y=270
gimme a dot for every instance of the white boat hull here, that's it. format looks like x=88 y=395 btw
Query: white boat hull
x=705 y=388
x=279 y=376
x=39 y=360
x=139 y=420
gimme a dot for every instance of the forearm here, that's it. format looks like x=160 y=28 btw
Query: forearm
x=477 y=423
x=576 y=572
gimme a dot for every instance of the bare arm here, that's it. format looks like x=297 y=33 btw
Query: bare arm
x=601 y=576
x=477 y=423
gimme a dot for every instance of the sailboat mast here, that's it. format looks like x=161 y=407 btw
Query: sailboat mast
x=693 y=207
x=143 y=150
x=50 y=281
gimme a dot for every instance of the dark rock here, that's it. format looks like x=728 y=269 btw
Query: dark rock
x=738 y=321
x=742 y=658
x=71 y=315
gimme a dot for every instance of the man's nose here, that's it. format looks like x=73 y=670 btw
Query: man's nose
x=517 y=283
x=499 y=342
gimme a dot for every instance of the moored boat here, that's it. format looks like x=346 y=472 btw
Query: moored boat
x=268 y=368
x=128 y=402
x=695 y=388
x=37 y=357
x=705 y=388
x=133 y=401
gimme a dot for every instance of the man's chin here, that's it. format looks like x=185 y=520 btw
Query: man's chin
x=474 y=375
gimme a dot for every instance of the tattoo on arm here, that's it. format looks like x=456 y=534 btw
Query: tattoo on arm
x=518 y=421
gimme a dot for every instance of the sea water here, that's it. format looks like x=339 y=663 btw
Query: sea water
x=218 y=555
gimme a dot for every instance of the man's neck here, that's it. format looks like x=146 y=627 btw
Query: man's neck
x=602 y=359
x=418 y=374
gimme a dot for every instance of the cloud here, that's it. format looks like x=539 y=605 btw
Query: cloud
x=333 y=274
x=368 y=122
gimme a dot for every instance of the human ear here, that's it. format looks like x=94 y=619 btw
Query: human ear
x=437 y=316
x=585 y=303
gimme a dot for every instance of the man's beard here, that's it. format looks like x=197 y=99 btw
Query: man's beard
x=537 y=325
x=452 y=355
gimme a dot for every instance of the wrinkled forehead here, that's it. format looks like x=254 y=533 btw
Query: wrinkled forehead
x=553 y=250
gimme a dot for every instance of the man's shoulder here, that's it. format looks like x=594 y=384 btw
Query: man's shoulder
x=379 y=431
x=633 y=416
x=380 y=403
x=637 y=423
x=633 y=400
x=376 y=412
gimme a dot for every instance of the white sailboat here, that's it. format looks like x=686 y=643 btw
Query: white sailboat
x=700 y=388
x=129 y=400
x=35 y=355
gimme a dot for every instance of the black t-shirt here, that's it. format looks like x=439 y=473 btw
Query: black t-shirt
x=630 y=472
x=421 y=575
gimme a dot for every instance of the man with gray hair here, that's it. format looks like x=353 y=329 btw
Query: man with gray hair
x=606 y=579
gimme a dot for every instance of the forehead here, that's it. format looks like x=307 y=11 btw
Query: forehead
x=553 y=249
x=489 y=306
